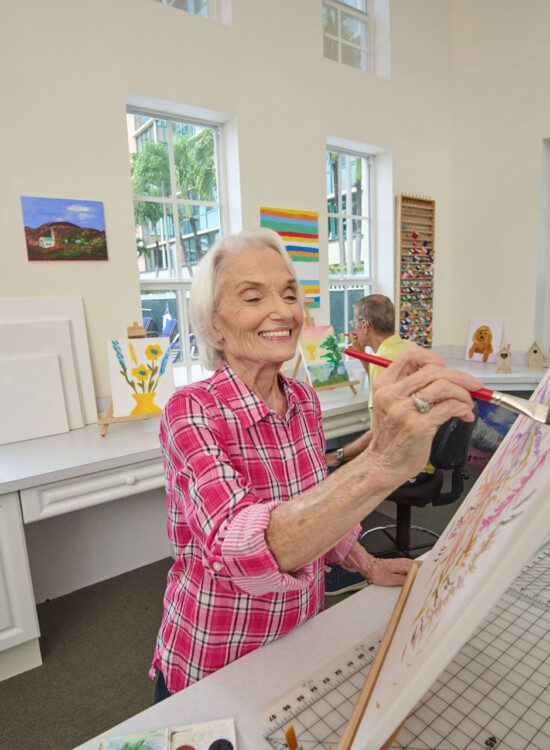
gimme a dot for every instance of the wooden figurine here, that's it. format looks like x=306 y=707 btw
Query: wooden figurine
x=535 y=357
x=504 y=359
x=136 y=331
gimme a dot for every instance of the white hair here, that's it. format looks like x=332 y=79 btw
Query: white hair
x=208 y=283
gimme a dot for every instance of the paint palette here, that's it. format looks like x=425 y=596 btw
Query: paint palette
x=211 y=735
x=494 y=694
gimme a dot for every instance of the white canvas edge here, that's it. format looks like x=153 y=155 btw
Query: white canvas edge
x=27 y=309
x=62 y=425
x=67 y=362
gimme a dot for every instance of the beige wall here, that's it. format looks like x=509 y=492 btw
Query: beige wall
x=464 y=131
x=501 y=114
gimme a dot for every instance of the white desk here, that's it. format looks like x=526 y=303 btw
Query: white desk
x=246 y=688
x=493 y=693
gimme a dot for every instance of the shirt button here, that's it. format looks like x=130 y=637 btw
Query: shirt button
x=217 y=566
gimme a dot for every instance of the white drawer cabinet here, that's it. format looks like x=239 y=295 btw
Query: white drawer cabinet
x=55 y=498
x=18 y=621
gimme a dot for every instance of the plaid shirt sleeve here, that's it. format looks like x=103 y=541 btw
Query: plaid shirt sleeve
x=344 y=546
x=224 y=515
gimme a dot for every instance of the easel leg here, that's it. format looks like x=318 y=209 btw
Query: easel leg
x=108 y=415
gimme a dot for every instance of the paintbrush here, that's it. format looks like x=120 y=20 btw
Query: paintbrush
x=538 y=412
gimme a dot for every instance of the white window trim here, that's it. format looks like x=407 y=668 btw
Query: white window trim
x=348 y=282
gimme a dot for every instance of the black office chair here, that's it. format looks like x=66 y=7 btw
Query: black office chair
x=449 y=453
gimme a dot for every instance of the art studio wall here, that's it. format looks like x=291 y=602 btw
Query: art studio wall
x=461 y=119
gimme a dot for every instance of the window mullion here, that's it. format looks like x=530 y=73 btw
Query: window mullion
x=174 y=193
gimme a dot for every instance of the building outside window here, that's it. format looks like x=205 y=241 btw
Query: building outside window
x=177 y=211
x=349 y=210
x=346 y=32
x=202 y=8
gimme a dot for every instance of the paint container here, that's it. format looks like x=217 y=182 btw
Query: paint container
x=211 y=735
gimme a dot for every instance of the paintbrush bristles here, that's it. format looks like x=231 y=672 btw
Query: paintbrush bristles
x=290 y=737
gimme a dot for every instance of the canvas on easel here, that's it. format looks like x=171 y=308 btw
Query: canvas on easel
x=141 y=376
x=321 y=357
x=502 y=522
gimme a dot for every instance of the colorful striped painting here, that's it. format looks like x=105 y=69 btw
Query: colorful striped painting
x=299 y=231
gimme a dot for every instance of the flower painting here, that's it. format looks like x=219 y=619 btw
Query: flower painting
x=141 y=375
x=322 y=357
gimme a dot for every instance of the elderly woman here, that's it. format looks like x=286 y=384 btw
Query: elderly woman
x=251 y=512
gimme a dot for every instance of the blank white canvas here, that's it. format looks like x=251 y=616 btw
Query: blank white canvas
x=502 y=522
x=64 y=308
x=47 y=337
x=32 y=403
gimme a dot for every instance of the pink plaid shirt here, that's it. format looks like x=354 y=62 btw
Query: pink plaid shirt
x=229 y=461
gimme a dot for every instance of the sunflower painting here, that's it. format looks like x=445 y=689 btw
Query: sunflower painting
x=141 y=375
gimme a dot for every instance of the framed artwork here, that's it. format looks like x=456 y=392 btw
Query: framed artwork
x=64 y=229
x=141 y=375
x=499 y=526
x=484 y=338
x=322 y=357
x=299 y=230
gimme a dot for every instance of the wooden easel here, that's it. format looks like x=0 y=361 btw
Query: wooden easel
x=135 y=331
x=309 y=322
x=370 y=682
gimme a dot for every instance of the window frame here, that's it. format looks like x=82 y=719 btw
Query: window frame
x=347 y=282
x=359 y=15
x=179 y=285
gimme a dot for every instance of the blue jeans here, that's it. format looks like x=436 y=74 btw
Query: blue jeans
x=161 y=691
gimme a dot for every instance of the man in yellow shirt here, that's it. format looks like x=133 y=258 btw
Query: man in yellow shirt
x=374 y=326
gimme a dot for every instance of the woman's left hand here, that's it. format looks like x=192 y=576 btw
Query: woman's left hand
x=390 y=571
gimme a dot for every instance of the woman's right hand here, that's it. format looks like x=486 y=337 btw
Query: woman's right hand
x=402 y=436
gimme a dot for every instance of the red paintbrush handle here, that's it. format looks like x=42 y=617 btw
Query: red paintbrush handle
x=483 y=394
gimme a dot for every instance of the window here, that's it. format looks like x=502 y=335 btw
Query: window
x=177 y=211
x=213 y=10
x=346 y=25
x=202 y=8
x=349 y=233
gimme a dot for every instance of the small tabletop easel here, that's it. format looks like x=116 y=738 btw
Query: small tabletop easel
x=309 y=322
x=368 y=688
x=135 y=331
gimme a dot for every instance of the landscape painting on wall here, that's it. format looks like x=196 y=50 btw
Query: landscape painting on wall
x=63 y=229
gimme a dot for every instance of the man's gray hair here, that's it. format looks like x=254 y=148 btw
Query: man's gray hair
x=378 y=311
x=208 y=283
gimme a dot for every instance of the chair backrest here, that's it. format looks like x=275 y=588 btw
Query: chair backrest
x=169 y=327
x=451 y=442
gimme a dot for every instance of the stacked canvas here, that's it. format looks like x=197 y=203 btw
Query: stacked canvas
x=46 y=382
